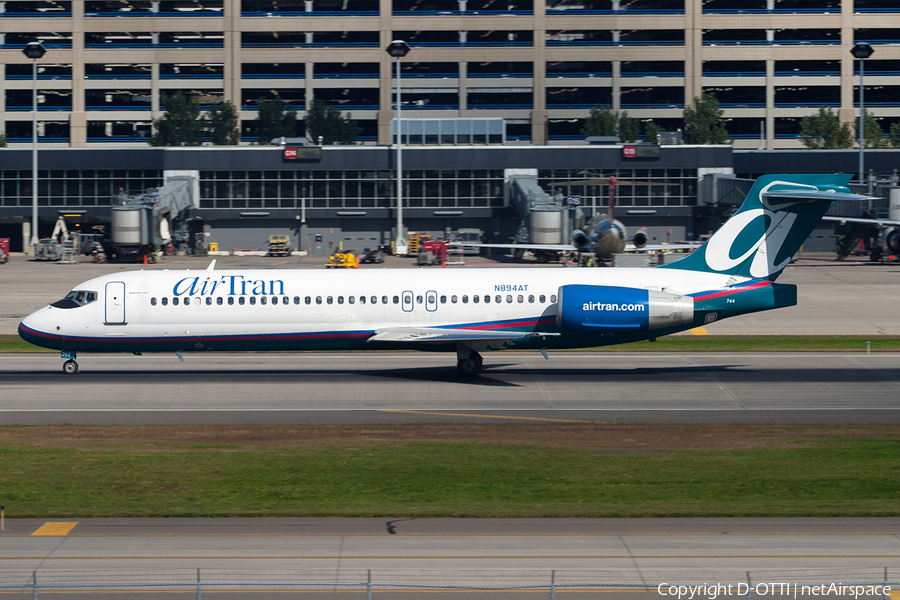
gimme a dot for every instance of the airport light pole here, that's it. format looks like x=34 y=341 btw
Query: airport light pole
x=398 y=49
x=34 y=51
x=862 y=52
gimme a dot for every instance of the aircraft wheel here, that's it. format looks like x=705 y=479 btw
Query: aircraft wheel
x=70 y=367
x=469 y=367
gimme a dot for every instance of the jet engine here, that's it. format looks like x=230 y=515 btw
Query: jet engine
x=640 y=238
x=609 y=309
x=890 y=238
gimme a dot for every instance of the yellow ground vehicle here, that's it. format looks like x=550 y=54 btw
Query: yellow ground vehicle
x=342 y=260
x=279 y=245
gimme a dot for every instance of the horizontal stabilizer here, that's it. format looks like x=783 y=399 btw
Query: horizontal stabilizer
x=435 y=334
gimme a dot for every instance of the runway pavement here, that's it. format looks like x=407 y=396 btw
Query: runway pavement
x=340 y=388
x=594 y=553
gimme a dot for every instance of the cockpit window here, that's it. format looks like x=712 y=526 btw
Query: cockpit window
x=76 y=299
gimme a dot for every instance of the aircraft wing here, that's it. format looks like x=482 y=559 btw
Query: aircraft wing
x=878 y=222
x=548 y=247
x=629 y=247
x=436 y=334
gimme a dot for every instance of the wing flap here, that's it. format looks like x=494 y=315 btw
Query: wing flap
x=435 y=334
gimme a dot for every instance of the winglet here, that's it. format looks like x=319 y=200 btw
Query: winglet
x=212 y=265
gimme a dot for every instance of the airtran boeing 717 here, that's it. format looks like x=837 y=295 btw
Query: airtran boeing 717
x=466 y=312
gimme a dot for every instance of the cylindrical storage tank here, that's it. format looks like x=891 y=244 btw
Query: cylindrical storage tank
x=894 y=198
x=126 y=226
x=546 y=225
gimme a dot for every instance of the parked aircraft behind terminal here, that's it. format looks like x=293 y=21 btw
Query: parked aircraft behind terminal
x=466 y=311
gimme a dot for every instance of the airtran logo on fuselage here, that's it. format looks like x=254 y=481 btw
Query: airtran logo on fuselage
x=231 y=285
x=613 y=307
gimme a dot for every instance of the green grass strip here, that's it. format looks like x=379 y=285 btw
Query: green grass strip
x=680 y=343
x=830 y=477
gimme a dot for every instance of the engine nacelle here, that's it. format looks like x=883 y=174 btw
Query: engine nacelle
x=640 y=238
x=601 y=308
x=890 y=238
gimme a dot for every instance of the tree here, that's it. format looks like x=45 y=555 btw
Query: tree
x=605 y=122
x=825 y=131
x=703 y=121
x=181 y=124
x=651 y=132
x=895 y=135
x=875 y=137
x=3 y=139
x=222 y=124
x=275 y=119
x=326 y=122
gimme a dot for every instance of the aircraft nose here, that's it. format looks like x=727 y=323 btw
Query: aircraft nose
x=33 y=328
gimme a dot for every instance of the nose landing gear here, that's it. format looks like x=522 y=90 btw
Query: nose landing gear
x=70 y=367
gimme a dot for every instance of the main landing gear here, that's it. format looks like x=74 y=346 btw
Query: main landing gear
x=471 y=366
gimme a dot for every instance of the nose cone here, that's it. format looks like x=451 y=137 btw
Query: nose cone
x=34 y=330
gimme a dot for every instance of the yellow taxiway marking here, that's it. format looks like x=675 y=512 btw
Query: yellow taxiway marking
x=55 y=528
x=699 y=331
x=477 y=416
x=895 y=595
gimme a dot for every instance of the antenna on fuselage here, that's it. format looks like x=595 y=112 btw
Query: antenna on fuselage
x=211 y=266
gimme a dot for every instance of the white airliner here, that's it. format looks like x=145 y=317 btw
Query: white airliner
x=463 y=311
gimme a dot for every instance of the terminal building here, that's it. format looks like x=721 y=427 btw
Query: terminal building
x=540 y=66
x=345 y=196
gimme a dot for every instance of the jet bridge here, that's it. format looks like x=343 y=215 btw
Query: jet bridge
x=157 y=220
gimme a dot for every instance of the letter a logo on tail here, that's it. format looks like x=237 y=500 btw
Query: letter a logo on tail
x=777 y=216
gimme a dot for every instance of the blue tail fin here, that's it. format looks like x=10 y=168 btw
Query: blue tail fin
x=777 y=216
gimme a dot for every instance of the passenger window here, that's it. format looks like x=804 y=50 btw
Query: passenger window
x=374 y=300
x=476 y=299
x=487 y=299
x=307 y=300
x=543 y=298
x=531 y=298
x=297 y=299
x=252 y=300
x=443 y=299
x=465 y=299
x=284 y=300
x=418 y=299
x=219 y=300
x=165 y=301
x=175 y=301
x=152 y=301
x=396 y=299
x=318 y=299
x=498 y=299
x=230 y=300
x=553 y=298
x=261 y=300
x=241 y=300
x=521 y=299
x=362 y=299
x=453 y=299
x=329 y=300
x=209 y=301
x=340 y=299
x=509 y=299
x=384 y=300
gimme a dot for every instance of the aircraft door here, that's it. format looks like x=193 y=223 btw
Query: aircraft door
x=408 y=303
x=431 y=301
x=115 y=303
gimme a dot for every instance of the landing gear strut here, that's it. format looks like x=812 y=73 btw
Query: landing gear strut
x=471 y=366
x=70 y=367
